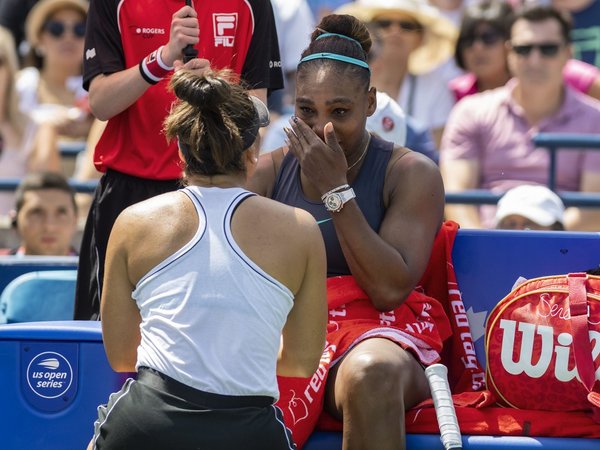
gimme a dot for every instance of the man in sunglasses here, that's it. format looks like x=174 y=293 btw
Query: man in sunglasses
x=488 y=144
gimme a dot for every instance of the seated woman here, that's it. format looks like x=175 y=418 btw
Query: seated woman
x=379 y=207
x=24 y=147
x=50 y=88
x=210 y=291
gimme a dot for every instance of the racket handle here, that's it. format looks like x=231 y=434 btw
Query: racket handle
x=437 y=377
x=189 y=52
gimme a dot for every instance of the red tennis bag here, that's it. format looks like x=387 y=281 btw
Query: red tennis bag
x=542 y=345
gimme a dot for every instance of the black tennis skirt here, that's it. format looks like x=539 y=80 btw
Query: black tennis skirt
x=158 y=412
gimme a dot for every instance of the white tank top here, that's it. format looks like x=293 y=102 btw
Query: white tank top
x=211 y=318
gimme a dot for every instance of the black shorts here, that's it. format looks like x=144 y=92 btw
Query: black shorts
x=115 y=192
x=157 y=412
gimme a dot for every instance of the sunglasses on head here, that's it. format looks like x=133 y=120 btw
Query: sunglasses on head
x=57 y=29
x=405 y=25
x=548 y=50
x=487 y=38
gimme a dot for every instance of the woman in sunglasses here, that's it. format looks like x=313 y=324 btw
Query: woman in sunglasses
x=51 y=89
x=23 y=146
x=417 y=42
x=481 y=51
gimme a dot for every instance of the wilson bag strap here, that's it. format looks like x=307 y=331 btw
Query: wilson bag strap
x=582 y=348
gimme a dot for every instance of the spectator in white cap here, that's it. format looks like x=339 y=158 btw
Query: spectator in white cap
x=530 y=207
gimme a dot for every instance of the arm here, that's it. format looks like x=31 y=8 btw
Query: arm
x=45 y=154
x=437 y=134
x=460 y=157
x=594 y=90
x=585 y=219
x=389 y=264
x=303 y=336
x=113 y=93
x=460 y=175
x=120 y=315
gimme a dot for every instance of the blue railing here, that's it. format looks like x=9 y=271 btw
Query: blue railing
x=10 y=184
x=552 y=141
x=71 y=149
x=564 y=141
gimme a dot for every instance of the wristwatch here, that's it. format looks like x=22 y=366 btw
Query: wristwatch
x=335 y=201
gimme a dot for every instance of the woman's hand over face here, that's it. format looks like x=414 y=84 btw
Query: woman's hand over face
x=323 y=163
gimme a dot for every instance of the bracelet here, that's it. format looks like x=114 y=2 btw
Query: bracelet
x=339 y=188
x=153 y=68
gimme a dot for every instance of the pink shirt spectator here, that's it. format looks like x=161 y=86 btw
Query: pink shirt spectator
x=577 y=74
x=490 y=127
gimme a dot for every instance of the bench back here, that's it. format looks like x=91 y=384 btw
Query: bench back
x=12 y=267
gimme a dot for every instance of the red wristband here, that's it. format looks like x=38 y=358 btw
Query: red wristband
x=152 y=67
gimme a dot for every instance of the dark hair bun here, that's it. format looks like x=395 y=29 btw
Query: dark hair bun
x=206 y=93
x=345 y=25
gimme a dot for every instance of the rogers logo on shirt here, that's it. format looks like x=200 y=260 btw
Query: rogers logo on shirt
x=147 y=32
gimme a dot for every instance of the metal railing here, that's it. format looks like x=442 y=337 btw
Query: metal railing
x=71 y=149
x=564 y=141
x=10 y=184
x=552 y=141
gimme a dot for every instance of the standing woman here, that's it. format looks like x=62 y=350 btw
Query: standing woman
x=210 y=291
x=379 y=207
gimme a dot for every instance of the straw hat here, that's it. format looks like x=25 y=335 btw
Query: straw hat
x=43 y=9
x=439 y=34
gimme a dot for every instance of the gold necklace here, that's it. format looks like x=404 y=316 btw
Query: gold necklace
x=362 y=154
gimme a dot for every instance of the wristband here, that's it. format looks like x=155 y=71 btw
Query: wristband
x=153 y=68
x=336 y=189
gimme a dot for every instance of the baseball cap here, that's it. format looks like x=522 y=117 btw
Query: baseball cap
x=261 y=110
x=537 y=203
x=261 y=120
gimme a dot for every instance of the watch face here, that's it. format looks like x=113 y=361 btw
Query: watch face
x=333 y=202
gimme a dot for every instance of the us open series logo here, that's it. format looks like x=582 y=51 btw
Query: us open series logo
x=49 y=375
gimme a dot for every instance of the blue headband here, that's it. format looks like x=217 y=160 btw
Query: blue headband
x=336 y=57
x=348 y=38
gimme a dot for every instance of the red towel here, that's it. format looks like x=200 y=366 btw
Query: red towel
x=351 y=316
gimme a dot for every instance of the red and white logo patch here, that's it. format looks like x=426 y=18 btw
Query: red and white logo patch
x=224 y=28
x=387 y=123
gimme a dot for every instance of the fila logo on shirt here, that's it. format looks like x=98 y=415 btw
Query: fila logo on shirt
x=224 y=28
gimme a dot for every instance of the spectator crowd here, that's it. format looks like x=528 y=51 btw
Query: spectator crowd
x=426 y=58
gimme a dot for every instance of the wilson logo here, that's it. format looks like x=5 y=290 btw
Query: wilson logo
x=536 y=365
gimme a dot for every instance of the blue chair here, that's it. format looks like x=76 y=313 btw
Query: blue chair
x=39 y=296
